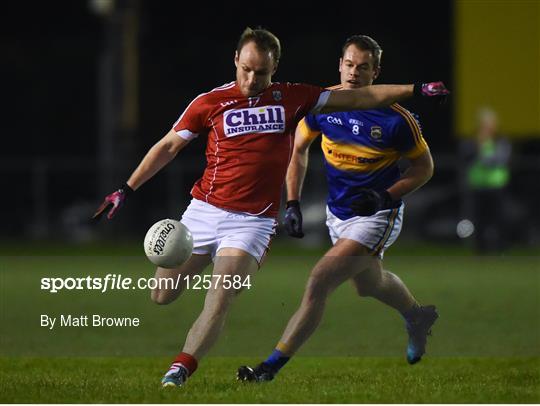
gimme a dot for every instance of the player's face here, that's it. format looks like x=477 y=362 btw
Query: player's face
x=254 y=69
x=357 y=68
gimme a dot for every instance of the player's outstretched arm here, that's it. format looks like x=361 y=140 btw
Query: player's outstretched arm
x=377 y=96
x=156 y=158
x=368 y=97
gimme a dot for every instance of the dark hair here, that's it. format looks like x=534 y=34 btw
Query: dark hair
x=365 y=43
x=263 y=39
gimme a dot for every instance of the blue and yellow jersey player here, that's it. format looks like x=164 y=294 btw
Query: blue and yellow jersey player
x=364 y=210
x=362 y=150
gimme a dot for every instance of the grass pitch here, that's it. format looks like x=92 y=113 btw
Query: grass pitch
x=306 y=380
x=484 y=349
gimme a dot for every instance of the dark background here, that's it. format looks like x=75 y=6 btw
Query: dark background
x=55 y=171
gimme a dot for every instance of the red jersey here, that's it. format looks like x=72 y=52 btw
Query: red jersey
x=249 y=142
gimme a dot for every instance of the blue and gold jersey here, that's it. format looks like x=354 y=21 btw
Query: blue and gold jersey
x=361 y=150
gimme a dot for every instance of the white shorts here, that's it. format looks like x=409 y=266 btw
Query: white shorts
x=214 y=228
x=376 y=233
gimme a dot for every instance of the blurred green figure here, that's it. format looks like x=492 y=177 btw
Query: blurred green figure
x=488 y=178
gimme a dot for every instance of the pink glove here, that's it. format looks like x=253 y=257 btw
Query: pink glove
x=114 y=202
x=437 y=90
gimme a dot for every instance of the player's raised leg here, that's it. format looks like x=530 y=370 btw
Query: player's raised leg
x=340 y=263
x=347 y=259
x=171 y=282
x=206 y=329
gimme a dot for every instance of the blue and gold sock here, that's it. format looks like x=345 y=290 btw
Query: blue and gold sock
x=278 y=358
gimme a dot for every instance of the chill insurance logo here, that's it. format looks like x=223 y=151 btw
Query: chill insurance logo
x=265 y=119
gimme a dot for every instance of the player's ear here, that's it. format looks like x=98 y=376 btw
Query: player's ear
x=340 y=62
x=376 y=72
x=236 y=58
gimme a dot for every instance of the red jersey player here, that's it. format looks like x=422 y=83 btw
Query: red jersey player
x=250 y=126
x=249 y=142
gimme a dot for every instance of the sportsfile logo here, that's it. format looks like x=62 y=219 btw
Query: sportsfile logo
x=265 y=119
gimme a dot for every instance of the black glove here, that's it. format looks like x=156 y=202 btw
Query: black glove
x=436 y=90
x=370 y=202
x=114 y=202
x=293 y=219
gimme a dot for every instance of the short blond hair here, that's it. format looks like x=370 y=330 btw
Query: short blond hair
x=263 y=39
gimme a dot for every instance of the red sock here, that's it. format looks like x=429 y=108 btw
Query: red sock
x=187 y=361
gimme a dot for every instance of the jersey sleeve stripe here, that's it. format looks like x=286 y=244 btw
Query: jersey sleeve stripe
x=412 y=123
x=321 y=102
x=323 y=98
x=421 y=144
x=407 y=116
x=186 y=134
x=410 y=120
x=407 y=113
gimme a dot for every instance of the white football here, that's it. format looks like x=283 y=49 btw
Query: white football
x=168 y=243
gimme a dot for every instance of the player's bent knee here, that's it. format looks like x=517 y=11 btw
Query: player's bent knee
x=163 y=297
x=367 y=286
x=364 y=290
x=158 y=298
